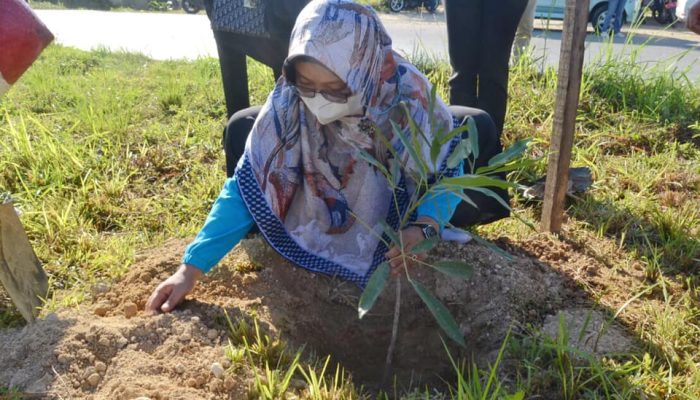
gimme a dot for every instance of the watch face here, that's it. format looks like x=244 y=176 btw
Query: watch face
x=429 y=231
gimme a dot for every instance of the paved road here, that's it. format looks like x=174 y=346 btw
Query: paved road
x=174 y=36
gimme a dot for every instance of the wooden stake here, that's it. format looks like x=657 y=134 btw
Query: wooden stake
x=568 y=90
x=20 y=270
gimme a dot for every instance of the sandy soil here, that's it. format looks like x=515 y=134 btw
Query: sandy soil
x=110 y=350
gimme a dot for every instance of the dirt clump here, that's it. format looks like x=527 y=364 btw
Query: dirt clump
x=109 y=349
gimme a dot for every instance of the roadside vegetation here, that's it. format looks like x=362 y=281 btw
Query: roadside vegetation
x=107 y=153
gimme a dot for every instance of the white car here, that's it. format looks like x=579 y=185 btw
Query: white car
x=554 y=9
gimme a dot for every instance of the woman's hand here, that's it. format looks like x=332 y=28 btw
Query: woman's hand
x=410 y=237
x=172 y=290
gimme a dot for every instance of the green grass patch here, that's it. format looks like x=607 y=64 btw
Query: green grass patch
x=107 y=153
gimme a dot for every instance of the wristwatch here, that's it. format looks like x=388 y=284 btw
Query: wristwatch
x=427 y=229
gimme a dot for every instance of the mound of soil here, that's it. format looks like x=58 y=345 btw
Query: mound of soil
x=109 y=349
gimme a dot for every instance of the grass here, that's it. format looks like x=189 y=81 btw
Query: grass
x=107 y=153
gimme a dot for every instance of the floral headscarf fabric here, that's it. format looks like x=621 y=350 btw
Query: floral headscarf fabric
x=314 y=199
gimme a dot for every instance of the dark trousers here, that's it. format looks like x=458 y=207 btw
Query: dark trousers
x=488 y=210
x=480 y=36
x=233 y=49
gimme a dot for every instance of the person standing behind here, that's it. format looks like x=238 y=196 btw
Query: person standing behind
x=615 y=9
x=694 y=18
x=259 y=29
x=480 y=35
x=524 y=32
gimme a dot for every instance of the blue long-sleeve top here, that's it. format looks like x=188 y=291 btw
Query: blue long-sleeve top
x=229 y=221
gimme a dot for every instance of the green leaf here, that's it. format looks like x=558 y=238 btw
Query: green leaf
x=510 y=153
x=456 y=131
x=431 y=104
x=465 y=198
x=520 y=395
x=376 y=284
x=435 y=148
x=391 y=233
x=425 y=246
x=468 y=180
x=385 y=141
x=373 y=161
x=458 y=269
x=411 y=150
x=490 y=193
x=395 y=166
x=416 y=131
x=473 y=137
x=439 y=188
x=507 y=167
x=440 y=312
x=460 y=152
x=499 y=199
x=491 y=246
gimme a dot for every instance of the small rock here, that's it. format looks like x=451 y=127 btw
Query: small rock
x=104 y=342
x=212 y=334
x=191 y=382
x=226 y=363
x=101 y=309
x=217 y=369
x=93 y=379
x=146 y=277
x=100 y=288
x=229 y=383
x=122 y=342
x=185 y=337
x=89 y=371
x=201 y=380
x=64 y=358
x=180 y=369
x=195 y=320
x=143 y=398
x=298 y=384
x=100 y=367
x=216 y=385
x=130 y=309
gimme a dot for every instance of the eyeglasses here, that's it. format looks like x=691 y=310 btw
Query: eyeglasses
x=335 y=97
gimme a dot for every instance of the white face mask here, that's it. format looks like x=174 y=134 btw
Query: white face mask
x=327 y=111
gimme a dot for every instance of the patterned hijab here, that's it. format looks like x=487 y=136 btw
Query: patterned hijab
x=315 y=200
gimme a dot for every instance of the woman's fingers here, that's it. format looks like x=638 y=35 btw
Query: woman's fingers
x=159 y=296
x=409 y=238
x=393 y=252
x=176 y=295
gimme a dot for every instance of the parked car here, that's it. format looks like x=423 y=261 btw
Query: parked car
x=554 y=9
x=398 y=5
x=682 y=8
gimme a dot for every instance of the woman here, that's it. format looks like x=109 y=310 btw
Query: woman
x=300 y=179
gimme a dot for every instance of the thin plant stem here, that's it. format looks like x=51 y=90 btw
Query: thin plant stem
x=394 y=334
